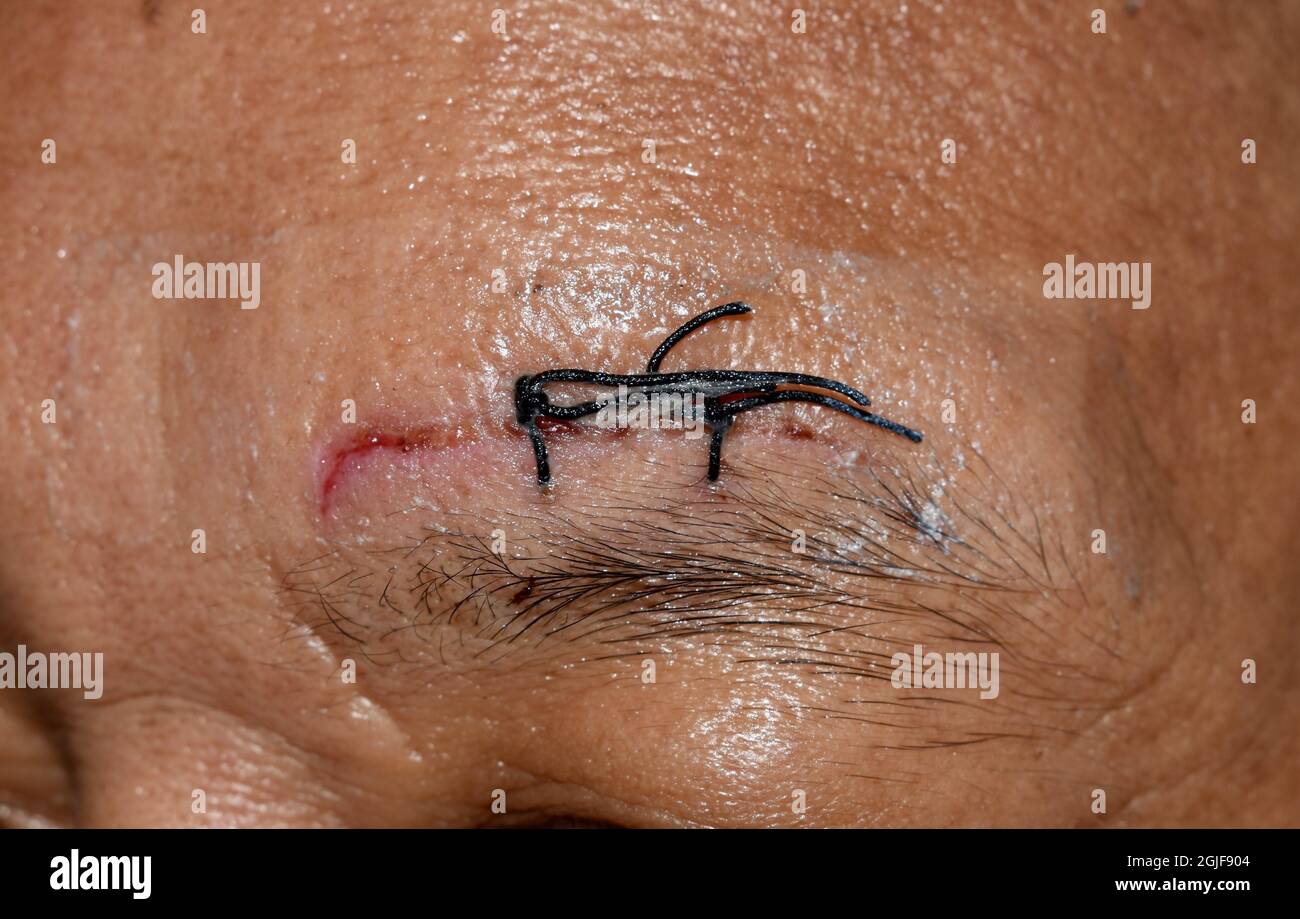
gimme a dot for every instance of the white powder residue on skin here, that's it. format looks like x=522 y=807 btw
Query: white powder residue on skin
x=932 y=521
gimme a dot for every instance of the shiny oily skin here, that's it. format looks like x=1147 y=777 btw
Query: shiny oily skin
x=774 y=153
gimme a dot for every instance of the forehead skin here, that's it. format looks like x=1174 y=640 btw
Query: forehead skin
x=504 y=215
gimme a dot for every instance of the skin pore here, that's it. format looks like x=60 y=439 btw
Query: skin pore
x=503 y=216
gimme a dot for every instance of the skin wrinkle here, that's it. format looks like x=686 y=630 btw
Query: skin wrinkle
x=329 y=783
x=1135 y=791
x=157 y=706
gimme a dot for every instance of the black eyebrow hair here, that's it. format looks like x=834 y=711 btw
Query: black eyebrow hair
x=631 y=575
x=726 y=393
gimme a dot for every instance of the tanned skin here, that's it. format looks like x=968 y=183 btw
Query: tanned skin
x=564 y=195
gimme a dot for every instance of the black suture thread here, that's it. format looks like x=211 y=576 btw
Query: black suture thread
x=742 y=391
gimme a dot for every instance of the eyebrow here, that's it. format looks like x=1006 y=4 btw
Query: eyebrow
x=892 y=548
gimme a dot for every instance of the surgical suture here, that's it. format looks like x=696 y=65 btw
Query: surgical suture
x=725 y=394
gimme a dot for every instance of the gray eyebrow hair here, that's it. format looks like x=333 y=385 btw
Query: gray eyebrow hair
x=892 y=552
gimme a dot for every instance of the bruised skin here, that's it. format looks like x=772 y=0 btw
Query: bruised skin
x=774 y=153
